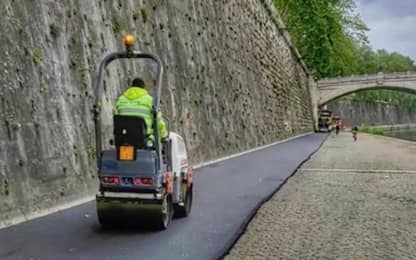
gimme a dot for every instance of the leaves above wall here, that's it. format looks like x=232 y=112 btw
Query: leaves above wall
x=332 y=40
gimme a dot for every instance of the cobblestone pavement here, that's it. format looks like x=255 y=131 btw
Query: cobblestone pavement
x=351 y=200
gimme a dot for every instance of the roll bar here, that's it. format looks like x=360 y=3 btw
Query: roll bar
x=97 y=85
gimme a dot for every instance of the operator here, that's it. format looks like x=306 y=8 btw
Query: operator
x=135 y=101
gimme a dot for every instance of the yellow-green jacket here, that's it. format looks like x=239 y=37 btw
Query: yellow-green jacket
x=136 y=101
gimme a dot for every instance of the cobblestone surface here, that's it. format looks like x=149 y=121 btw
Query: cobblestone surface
x=333 y=209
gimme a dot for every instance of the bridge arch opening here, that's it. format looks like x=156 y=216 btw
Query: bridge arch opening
x=402 y=89
x=333 y=88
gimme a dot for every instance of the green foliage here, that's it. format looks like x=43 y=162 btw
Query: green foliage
x=116 y=26
x=391 y=97
x=371 y=130
x=377 y=131
x=141 y=13
x=372 y=62
x=332 y=39
x=326 y=32
x=54 y=30
x=144 y=15
x=37 y=56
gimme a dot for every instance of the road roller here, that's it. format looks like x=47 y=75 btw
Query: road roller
x=142 y=180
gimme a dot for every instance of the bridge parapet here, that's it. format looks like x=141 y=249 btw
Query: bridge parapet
x=329 y=89
x=380 y=75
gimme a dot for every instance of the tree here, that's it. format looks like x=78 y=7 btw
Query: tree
x=332 y=39
x=326 y=32
x=372 y=62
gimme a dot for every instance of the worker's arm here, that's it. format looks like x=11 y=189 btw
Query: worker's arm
x=115 y=108
x=162 y=126
x=121 y=101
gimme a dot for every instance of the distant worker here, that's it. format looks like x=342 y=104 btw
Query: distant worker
x=136 y=101
x=337 y=127
x=354 y=133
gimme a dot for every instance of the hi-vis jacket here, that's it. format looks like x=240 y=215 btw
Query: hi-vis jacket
x=136 y=101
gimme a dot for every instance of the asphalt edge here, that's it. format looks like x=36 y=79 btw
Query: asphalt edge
x=83 y=200
x=243 y=227
x=255 y=149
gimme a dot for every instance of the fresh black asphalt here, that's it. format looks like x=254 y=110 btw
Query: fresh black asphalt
x=226 y=195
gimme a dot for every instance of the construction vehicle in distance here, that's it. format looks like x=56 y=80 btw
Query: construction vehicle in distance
x=142 y=180
x=325 y=121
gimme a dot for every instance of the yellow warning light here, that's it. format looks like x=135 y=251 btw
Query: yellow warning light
x=128 y=40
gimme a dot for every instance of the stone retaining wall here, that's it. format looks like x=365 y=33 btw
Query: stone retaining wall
x=233 y=81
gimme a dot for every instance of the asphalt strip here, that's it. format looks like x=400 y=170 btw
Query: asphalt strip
x=78 y=202
x=230 y=244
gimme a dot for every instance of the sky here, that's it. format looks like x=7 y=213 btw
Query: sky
x=392 y=24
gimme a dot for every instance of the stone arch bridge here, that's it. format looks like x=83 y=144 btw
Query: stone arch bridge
x=330 y=89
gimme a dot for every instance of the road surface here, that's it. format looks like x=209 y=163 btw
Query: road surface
x=226 y=194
